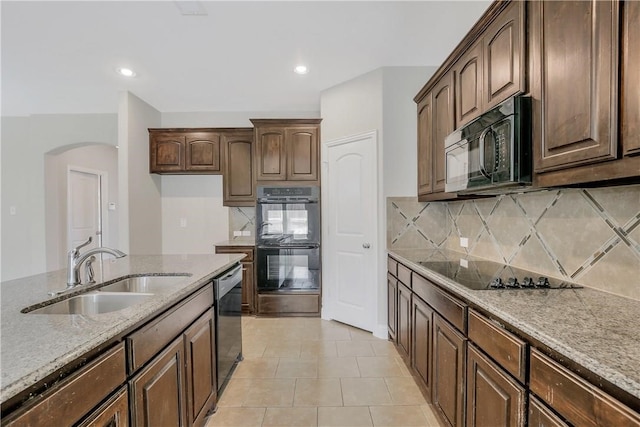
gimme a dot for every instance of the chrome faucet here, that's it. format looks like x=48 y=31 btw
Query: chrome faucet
x=75 y=260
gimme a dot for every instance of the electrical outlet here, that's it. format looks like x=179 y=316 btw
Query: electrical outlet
x=464 y=263
x=464 y=242
x=183 y=222
x=246 y=232
x=237 y=233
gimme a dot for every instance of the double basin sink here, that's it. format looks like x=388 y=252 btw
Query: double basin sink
x=114 y=296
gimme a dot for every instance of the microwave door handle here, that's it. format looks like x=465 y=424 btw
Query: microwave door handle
x=481 y=140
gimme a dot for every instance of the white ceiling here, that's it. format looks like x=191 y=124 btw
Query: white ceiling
x=60 y=57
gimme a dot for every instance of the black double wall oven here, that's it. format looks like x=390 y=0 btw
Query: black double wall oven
x=288 y=239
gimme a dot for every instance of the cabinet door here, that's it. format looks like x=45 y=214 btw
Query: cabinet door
x=504 y=56
x=404 y=320
x=422 y=343
x=392 y=307
x=493 y=397
x=302 y=153
x=541 y=416
x=166 y=152
x=443 y=123
x=574 y=76
x=113 y=413
x=157 y=392
x=238 y=165
x=449 y=356
x=630 y=114
x=200 y=357
x=203 y=152
x=468 y=85
x=248 y=287
x=270 y=154
x=425 y=146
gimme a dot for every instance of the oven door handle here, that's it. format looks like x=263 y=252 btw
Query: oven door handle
x=315 y=246
x=481 y=146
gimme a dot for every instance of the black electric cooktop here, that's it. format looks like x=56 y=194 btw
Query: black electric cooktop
x=485 y=275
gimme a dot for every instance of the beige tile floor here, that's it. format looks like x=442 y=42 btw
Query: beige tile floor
x=311 y=372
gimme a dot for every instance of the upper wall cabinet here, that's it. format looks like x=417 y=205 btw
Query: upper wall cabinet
x=184 y=151
x=630 y=105
x=574 y=70
x=425 y=146
x=287 y=150
x=238 y=165
x=492 y=69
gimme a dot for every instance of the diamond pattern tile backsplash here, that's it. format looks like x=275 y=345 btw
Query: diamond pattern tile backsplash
x=588 y=236
x=242 y=219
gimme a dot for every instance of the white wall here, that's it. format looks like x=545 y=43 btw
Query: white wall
x=25 y=141
x=198 y=199
x=100 y=157
x=141 y=206
x=381 y=100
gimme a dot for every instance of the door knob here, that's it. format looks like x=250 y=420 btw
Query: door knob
x=366 y=245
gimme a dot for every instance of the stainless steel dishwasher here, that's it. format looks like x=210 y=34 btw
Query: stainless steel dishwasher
x=228 y=288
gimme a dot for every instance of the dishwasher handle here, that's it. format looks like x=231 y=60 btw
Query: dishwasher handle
x=228 y=281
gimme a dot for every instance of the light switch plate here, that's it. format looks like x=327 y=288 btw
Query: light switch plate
x=237 y=233
x=246 y=232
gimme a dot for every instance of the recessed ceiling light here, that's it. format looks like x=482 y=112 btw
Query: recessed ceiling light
x=127 y=72
x=301 y=69
x=191 y=8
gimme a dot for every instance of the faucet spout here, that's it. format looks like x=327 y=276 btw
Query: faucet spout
x=75 y=260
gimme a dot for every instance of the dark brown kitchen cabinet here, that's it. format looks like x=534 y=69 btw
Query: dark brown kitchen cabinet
x=182 y=151
x=630 y=84
x=158 y=392
x=425 y=147
x=200 y=356
x=403 y=330
x=443 y=125
x=113 y=413
x=238 y=165
x=449 y=357
x=248 y=276
x=468 y=85
x=573 y=79
x=576 y=400
x=504 y=56
x=392 y=307
x=422 y=343
x=493 y=397
x=71 y=399
x=287 y=150
x=541 y=416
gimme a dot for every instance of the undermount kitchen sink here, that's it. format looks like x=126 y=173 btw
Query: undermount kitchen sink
x=145 y=284
x=93 y=303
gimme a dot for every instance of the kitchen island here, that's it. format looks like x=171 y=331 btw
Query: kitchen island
x=37 y=346
x=546 y=339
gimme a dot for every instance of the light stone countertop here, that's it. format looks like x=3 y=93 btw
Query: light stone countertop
x=597 y=330
x=34 y=346
x=240 y=241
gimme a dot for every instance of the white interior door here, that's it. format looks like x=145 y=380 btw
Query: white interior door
x=84 y=208
x=350 y=201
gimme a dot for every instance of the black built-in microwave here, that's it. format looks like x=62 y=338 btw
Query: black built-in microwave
x=491 y=154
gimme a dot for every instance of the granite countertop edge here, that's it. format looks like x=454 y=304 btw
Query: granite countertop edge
x=604 y=368
x=237 y=242
x=105 y=327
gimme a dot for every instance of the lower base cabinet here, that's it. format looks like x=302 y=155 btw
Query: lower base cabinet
x=404 y=321
x=200 y=357
x=157 y=392
x=493 y=397
x=541 y=416
x=449 y=357
x=422 y=346
x=114 y=413
x=392 y=304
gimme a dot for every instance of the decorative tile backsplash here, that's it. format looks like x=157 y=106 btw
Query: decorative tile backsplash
x=242 y=219
x=588 y=236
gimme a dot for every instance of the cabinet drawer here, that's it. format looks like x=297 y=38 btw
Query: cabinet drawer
x=288 y=304
x=581 y=403
x=75 y=396
x=247 y=250
x=504 y=347
x=392 y=266
x=450 y=308
x=404 y=275
x=541 y=416
x=147 y=341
